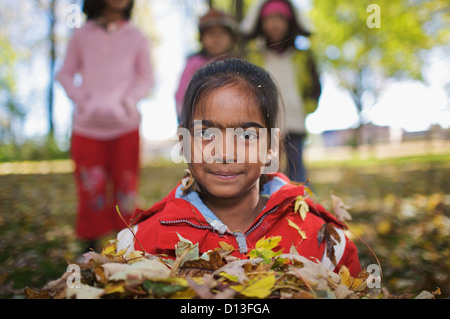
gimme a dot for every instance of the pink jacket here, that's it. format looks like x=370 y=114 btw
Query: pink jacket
x=115 y=74
x=194 y=63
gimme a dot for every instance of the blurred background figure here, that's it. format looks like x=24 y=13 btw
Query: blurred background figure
x=105 y=73
x=218 y=32
x=270 y=31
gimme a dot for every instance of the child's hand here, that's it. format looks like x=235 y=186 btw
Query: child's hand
x=130 y=107
x=85 y=107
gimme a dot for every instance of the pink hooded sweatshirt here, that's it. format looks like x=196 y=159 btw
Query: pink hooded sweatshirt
x=193 y=63
x=115 y=74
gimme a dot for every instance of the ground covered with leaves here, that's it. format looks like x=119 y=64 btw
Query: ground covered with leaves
x=400 y=219
x=267 y=273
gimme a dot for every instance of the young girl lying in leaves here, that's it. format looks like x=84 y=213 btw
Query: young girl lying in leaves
x=231 y=198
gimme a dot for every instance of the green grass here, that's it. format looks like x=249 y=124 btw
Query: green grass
x=356 y=161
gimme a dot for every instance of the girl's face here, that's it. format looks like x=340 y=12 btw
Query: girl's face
x=228 y=107
x=275 y=27
x=217 y=40
x=117 y=5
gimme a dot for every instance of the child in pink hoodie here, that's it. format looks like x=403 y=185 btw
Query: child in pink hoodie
x=112 y=61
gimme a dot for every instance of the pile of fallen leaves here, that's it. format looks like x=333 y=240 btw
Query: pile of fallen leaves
x=267 y=273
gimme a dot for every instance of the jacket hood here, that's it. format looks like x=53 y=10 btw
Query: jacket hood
x=275 y=182
x=279 y=190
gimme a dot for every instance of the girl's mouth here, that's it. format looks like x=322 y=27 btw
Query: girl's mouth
x=225 y=175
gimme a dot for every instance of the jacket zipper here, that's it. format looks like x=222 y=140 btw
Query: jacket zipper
x=254 y=227
x=184 y=221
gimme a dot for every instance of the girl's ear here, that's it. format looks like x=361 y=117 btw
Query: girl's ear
x=275 y=137
x=183 y=147
x=273 y=153
x=179 y=136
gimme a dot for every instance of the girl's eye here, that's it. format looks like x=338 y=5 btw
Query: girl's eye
x=248 y=135
x=205 y=134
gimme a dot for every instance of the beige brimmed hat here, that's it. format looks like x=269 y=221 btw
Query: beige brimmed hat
x=216 y=17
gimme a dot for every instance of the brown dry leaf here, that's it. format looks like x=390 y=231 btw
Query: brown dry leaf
x=424 y=294
x=328 y=233
x=437 y=292
x=176 y=265
x=234 y=269
x=55 y=289
x=225 y=249
x=204 y=287
x=202 y=290
x=343 y=292
x=355 y=284
x=333 y=279
x=199 y=267
x=302 y=294
x=340 y=209
x=100 y=275
x=134 y=256
x=33 y=293
x=85 y=292
x=92 y=259
x=312 y=273
x=105 y=271
x=136 y=273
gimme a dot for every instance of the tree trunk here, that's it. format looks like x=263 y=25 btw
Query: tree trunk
x=52 y=58
x=356 y=95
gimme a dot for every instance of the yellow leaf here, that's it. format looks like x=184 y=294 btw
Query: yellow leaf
x=259 y=288
x=230 y=277
x=295 y=226
x=356 y=284
x=253 y=253
x=301 y=207
x=346 y=278
x=100 y=274
x=134 y=256
x=111 y=250
x=304 y=210
x=308 y=191
x=225 y=248
x=268 y=243
x=437 y=292
x=188 y=293
x=384 y=227
x=263 y=248
x=110 y=289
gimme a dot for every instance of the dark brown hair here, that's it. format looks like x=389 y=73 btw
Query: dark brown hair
x=233 y=72
x=94 y=9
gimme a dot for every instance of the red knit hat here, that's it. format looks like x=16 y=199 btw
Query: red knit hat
x=278 y=7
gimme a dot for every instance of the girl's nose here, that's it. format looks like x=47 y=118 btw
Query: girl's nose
x=226 y=150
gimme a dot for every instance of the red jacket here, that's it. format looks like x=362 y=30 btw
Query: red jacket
x=158 y=227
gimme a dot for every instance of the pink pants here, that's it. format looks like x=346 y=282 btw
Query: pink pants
x=106 y=175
